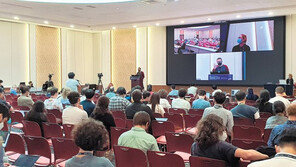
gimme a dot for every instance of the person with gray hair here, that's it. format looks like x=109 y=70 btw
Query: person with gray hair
x=279 y=96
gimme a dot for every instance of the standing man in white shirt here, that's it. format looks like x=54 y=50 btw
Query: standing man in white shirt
x=181 y=102
x=74 y=114
x=279 y=93
x=72 y=83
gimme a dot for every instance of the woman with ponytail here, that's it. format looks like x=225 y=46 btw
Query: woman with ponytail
x=262 y=102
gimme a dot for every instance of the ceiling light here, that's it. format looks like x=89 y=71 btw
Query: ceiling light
x=72 y=26
x=157 y=24
x=16 y=18
x=238 y=16
x=135 y=26
x=114 y=28
x=80 y=1
x=182 y=22
x=270 y=13
x=176 y=0
x=209 y=19
x=46 y=22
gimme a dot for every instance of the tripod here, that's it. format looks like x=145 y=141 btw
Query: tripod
x=100 y=85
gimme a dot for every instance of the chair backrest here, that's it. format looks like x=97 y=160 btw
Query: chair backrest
x=179 y=142
x=38 y=146
x=64 y=148
x=162 y=159
x=265 y=115
x=177 y=111
x=120 y=123
x=67 y=130
x=260 y=123
x=14 y=104
x=31 y=128
x=52 y=130
x=205 y=162
x=157 y=115
x=248 y=144
x=266 y=135
x=57 y=113
x=51 y=118
x=24 y=108
x=16 y=144
x=176 y=119
x=16 y=116
x=243 y=121
x=129 y=157
x=160 y=128
x=119 y=114
x=196 y=111
x=247 y=133
x=129 y=123
x=115 y=133
x=191 y=120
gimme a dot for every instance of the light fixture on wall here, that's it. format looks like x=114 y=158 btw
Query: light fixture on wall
x=238 y=16
x=16 y=18
x=72 y=26
x=134 y=26
x=182 y=22
x=79 y=1
x=45 y=22
x=113 y=28
x=270 y=13
x=209 y=19
x=157 y=24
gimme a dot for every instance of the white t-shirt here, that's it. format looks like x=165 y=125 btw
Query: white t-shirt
x=73 y=115
x=165 y=103
x=180 y=103
x=282 y=99
x=192 y=90
x=281 y=159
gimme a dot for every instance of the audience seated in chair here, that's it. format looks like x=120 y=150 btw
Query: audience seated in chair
x=88 y=104
x=277 y=131
x=53 y=102
x=263 y=103
x=4 y=117
x=201 y=102
x=146 y=97
x=25 y=99
x=286 y=152
x=3 y=100
x=242 y=110
x=163 y=99
x=279 y=96
x=217 y=109
x=173 y=91
x=137 y=137
x=210 y=143
x=111 y=93
x=279 y=118
x=37 y=114
x=181 y=102
x=74 y=114
x=89 y=136
x=119 y=103
x=251 y=95
x=154 y=104
x=63 y=97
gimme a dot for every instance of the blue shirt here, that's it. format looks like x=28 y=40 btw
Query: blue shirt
x=88 y=106
x=72 y=84
x=244 y=111
x=200 y=104
x=277 y=131
x=88 y=160
x=12 y=91
x=174 y=92
x=110 y=95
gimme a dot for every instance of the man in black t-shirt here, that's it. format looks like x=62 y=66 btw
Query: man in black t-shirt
x=242 y=46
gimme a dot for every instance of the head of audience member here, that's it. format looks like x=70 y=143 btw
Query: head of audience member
x=142 y=120
x=74 y=98
x=149 y=88
x=264 y=96
x=290 y=76
x=173 y=87
x=250 y=91
x=83 y=91
x=280 y=91
x=14 y=87
x=210 y=130
x=89 y=94
x=110 y=85
x=121 y=91
x=154 y=100
x=146 y=96
x=4 y=113
x=219 y=98
x=102 y=106
x=90 y=135
x=38 y=107
x=287 y=142
x=279 y=108
x=138 y=87
x=240 y=97
x=215 y=91
x=25 y=90
x=291 y=112
x=53 y=91
x=137 y=96
x=139 y=69
x=242 y=39
x=31 y=84
x=214 y=87
x=2 y=94
x=1 y=82
x=202 y=94
x=163 y=94
x=182 y=93
x=71 y=75
x=65 y=92
x=219 y=61
x=111 y=89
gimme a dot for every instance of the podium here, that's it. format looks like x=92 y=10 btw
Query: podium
x=271 y=89
x=217 y=77
x=135 y=80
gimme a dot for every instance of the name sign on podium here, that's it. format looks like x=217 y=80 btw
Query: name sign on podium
x=225 y=77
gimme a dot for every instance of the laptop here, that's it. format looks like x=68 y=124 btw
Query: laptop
x=4 y=136
x=26 y=160
x=282 y=82
x=234 y=91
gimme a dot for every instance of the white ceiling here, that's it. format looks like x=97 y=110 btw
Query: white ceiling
x=123 y=15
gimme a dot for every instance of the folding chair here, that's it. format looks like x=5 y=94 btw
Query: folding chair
x=52 y=130
x=51 y=118
x=31 y=128
x=196 y=111
x=57 y=113
x=129 y=157
x=115 y=133
x=247 y=133
x=248 y=144
x=119 y=114
x=205 y=162
x=177 y=111
x=67 y=130
x=15 y=146
x=191 y=120
x=177 y=120
x=163 y=159
x=160 y=128
x=63 y=149
x=243 y=121
x=120 y=123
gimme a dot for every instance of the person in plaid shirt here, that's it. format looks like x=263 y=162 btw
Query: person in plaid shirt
x=119 y=102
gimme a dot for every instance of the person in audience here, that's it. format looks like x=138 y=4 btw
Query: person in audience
x=163 y=99
x=25 y=99
x=210 y=143
x=3 y=100
x=242 y=110
x=146 y=97
x=102 y=113
x=89 y=136
x=1 y=82
x=13 y=90
x=251 y=95
x=277 y=130
x=290 y=80
x=72 y=83
x=263 y=102
x=37 y=114
x=137 y=106
x=279 y=96
x=215 y=91
x=82 y=97
x=64 y=97
x=149 y=89
x=174 y=91
x=119 y=103
x=286 y=152
x=217 y=109
x=111 y=93
x=137 y=137
x=31 y=85
x=74 y=114
x=4 y=117
x=181 y=102
x=280 y=118
x=53 y=102
x=192 y=90
x=138 y=87
x=107 y=90
x=201 y=102
x=88 y=105
x=155 y=104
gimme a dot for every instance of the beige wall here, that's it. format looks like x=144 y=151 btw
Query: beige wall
x=290 y=45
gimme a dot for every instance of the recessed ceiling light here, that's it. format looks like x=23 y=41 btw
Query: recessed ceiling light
x=46 y=22
x=238 y=16
x=72 y=26
x=157 y=24
x=135 y=26
x=81 y=1
x=16 y=18
x=209 y=19
x=176 y=0
x=270 y=13
x=182 y=22
x=114 y=28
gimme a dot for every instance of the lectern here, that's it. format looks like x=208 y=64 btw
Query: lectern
x=135 y=80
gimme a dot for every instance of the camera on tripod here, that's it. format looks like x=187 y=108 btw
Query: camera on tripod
x=100 y=75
